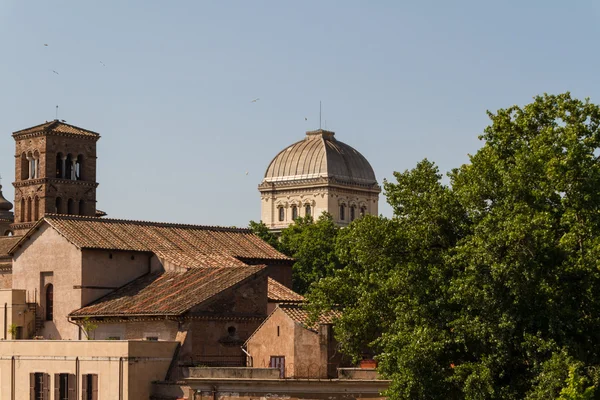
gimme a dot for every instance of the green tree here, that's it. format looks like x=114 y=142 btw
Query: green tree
x=485 y=288
x=262 y=231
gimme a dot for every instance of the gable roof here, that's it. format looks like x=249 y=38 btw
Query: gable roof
x=301 y=316
x=57 y=126
x=185 y=245
x=168 y=293
x=280 y=293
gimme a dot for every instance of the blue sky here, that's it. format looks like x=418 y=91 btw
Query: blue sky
x=399 y=81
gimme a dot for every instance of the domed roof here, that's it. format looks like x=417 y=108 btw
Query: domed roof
x=320 y=155
x=5 y=205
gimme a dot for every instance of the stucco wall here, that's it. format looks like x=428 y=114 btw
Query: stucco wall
x=6 y=279
x=13 y=310
x=124 y=366
x=49 y=257
x=132 y=330
x=266 y=342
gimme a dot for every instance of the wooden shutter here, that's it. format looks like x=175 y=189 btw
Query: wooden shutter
x=72 y=380
x=46 y=386
x=32 y=386
x=84 y=386
x=94 y=387
x=57 y=386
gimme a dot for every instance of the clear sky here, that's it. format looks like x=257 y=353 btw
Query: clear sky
x=169 y=86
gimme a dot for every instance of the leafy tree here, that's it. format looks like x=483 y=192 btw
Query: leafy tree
x=262 y=231
x=311 y=244
x=486 y=288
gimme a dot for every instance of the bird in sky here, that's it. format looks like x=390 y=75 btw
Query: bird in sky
x=306 y=119
x=246 y=172
x=255 y=100
x=55 y=72
x=104 y=65
x=45 y=44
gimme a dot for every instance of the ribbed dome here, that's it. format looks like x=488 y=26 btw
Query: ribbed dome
x=320 y=155
x=5 y=205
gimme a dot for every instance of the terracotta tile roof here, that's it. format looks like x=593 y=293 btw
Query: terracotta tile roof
x=301 y=316
x=6 y=243
x=185 y=245
x=281 y=293
x=57 y=127
x=168 y=293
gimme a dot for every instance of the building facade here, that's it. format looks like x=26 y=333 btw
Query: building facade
x=315 y=175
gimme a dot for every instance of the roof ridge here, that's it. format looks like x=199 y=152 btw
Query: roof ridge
x=53 y=124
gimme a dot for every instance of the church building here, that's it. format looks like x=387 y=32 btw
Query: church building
x=315 y=175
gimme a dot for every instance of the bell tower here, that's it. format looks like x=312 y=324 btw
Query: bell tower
x=55 y=172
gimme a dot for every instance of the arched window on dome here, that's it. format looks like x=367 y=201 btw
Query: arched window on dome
x=352 y=213
x=307 y=210
x=281 y=214
x=363 y=211
x=342 y=212
x=294 y=212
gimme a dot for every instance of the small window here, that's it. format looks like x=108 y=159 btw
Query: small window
x=352 y=213
x=281 y=214
x=277 y=330
x=231 y=331
x=64 y=386
x=363 y=211
x=342 y=212
x=307 y=210
x=89 y=387
x=294 y=212
x=39 y=386
x=49 y=302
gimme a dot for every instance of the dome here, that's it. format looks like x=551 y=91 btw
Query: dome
x=320 y=155
x=5 y=205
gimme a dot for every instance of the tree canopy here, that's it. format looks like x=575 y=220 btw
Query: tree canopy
x=486 y=287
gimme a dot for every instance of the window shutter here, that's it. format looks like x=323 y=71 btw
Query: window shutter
x=94 y=387
x=56 y=386
x=46 y=386
x=84 y=387
x=72 y=384
x=32 y=386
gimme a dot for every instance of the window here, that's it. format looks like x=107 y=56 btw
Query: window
x=363 y=211
x=64 y=387
x=342 y=212
x=278 y=362
x=69 y=167
x=39 y=386
x=294 y=212
x=352 y=213
x=24 y=167
x=29 y=207
x=58 y=206
x=281 y=214
x=36 y=208
x=70 y=207
x=307 y=210
x=60 y=166
x=49 y=302
x=89 y=387
x=81 y=207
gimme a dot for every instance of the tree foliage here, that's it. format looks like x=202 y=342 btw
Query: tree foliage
x=485 y=288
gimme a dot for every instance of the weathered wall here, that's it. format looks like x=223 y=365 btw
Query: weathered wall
x=13 y=310
x=133 y=330
x=267 y=342
x=110 y=269
x=121 y=366
x=47 y=257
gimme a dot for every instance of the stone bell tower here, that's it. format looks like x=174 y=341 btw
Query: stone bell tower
x=55 y=173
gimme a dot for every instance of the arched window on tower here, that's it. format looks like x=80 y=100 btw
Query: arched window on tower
x=24 y=167
x=70 y=207
x=307 y=210
x=281 y=214
x=22 y=210
x=49 y=302
x=69 y=167
x=352 y=213
x=36 y=208
x=81 y=207
x=60 y=165
x=342 y=212
x=80 y=171
x=29 y=207
x=294 y=212
x=58 y=206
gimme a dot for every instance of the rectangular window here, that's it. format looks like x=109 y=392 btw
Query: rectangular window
x=279 y=363
x=64 y=387
x=39 y=386
x=89 y=387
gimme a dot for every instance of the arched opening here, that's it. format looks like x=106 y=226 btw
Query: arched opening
x=352 y=213
x=36 y=208
x=8 y=233
x=22 y=211
x=24 y=167
x=70 y=207
x=60 y=165
x=58 y=206
x=29 y=209
x=81 y=207
x=307 y=210
x=49 y=302
x=294 y=212
x=69 y=167
x=281 y=214
x=79 y=168
x=35 y=165
x=363 y=211
x=342 y=212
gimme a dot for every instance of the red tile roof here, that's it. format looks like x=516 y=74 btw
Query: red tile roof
x=281 y=293
x=57 y=126
x=185 y=245
x=301 y=316
x=168 y=293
